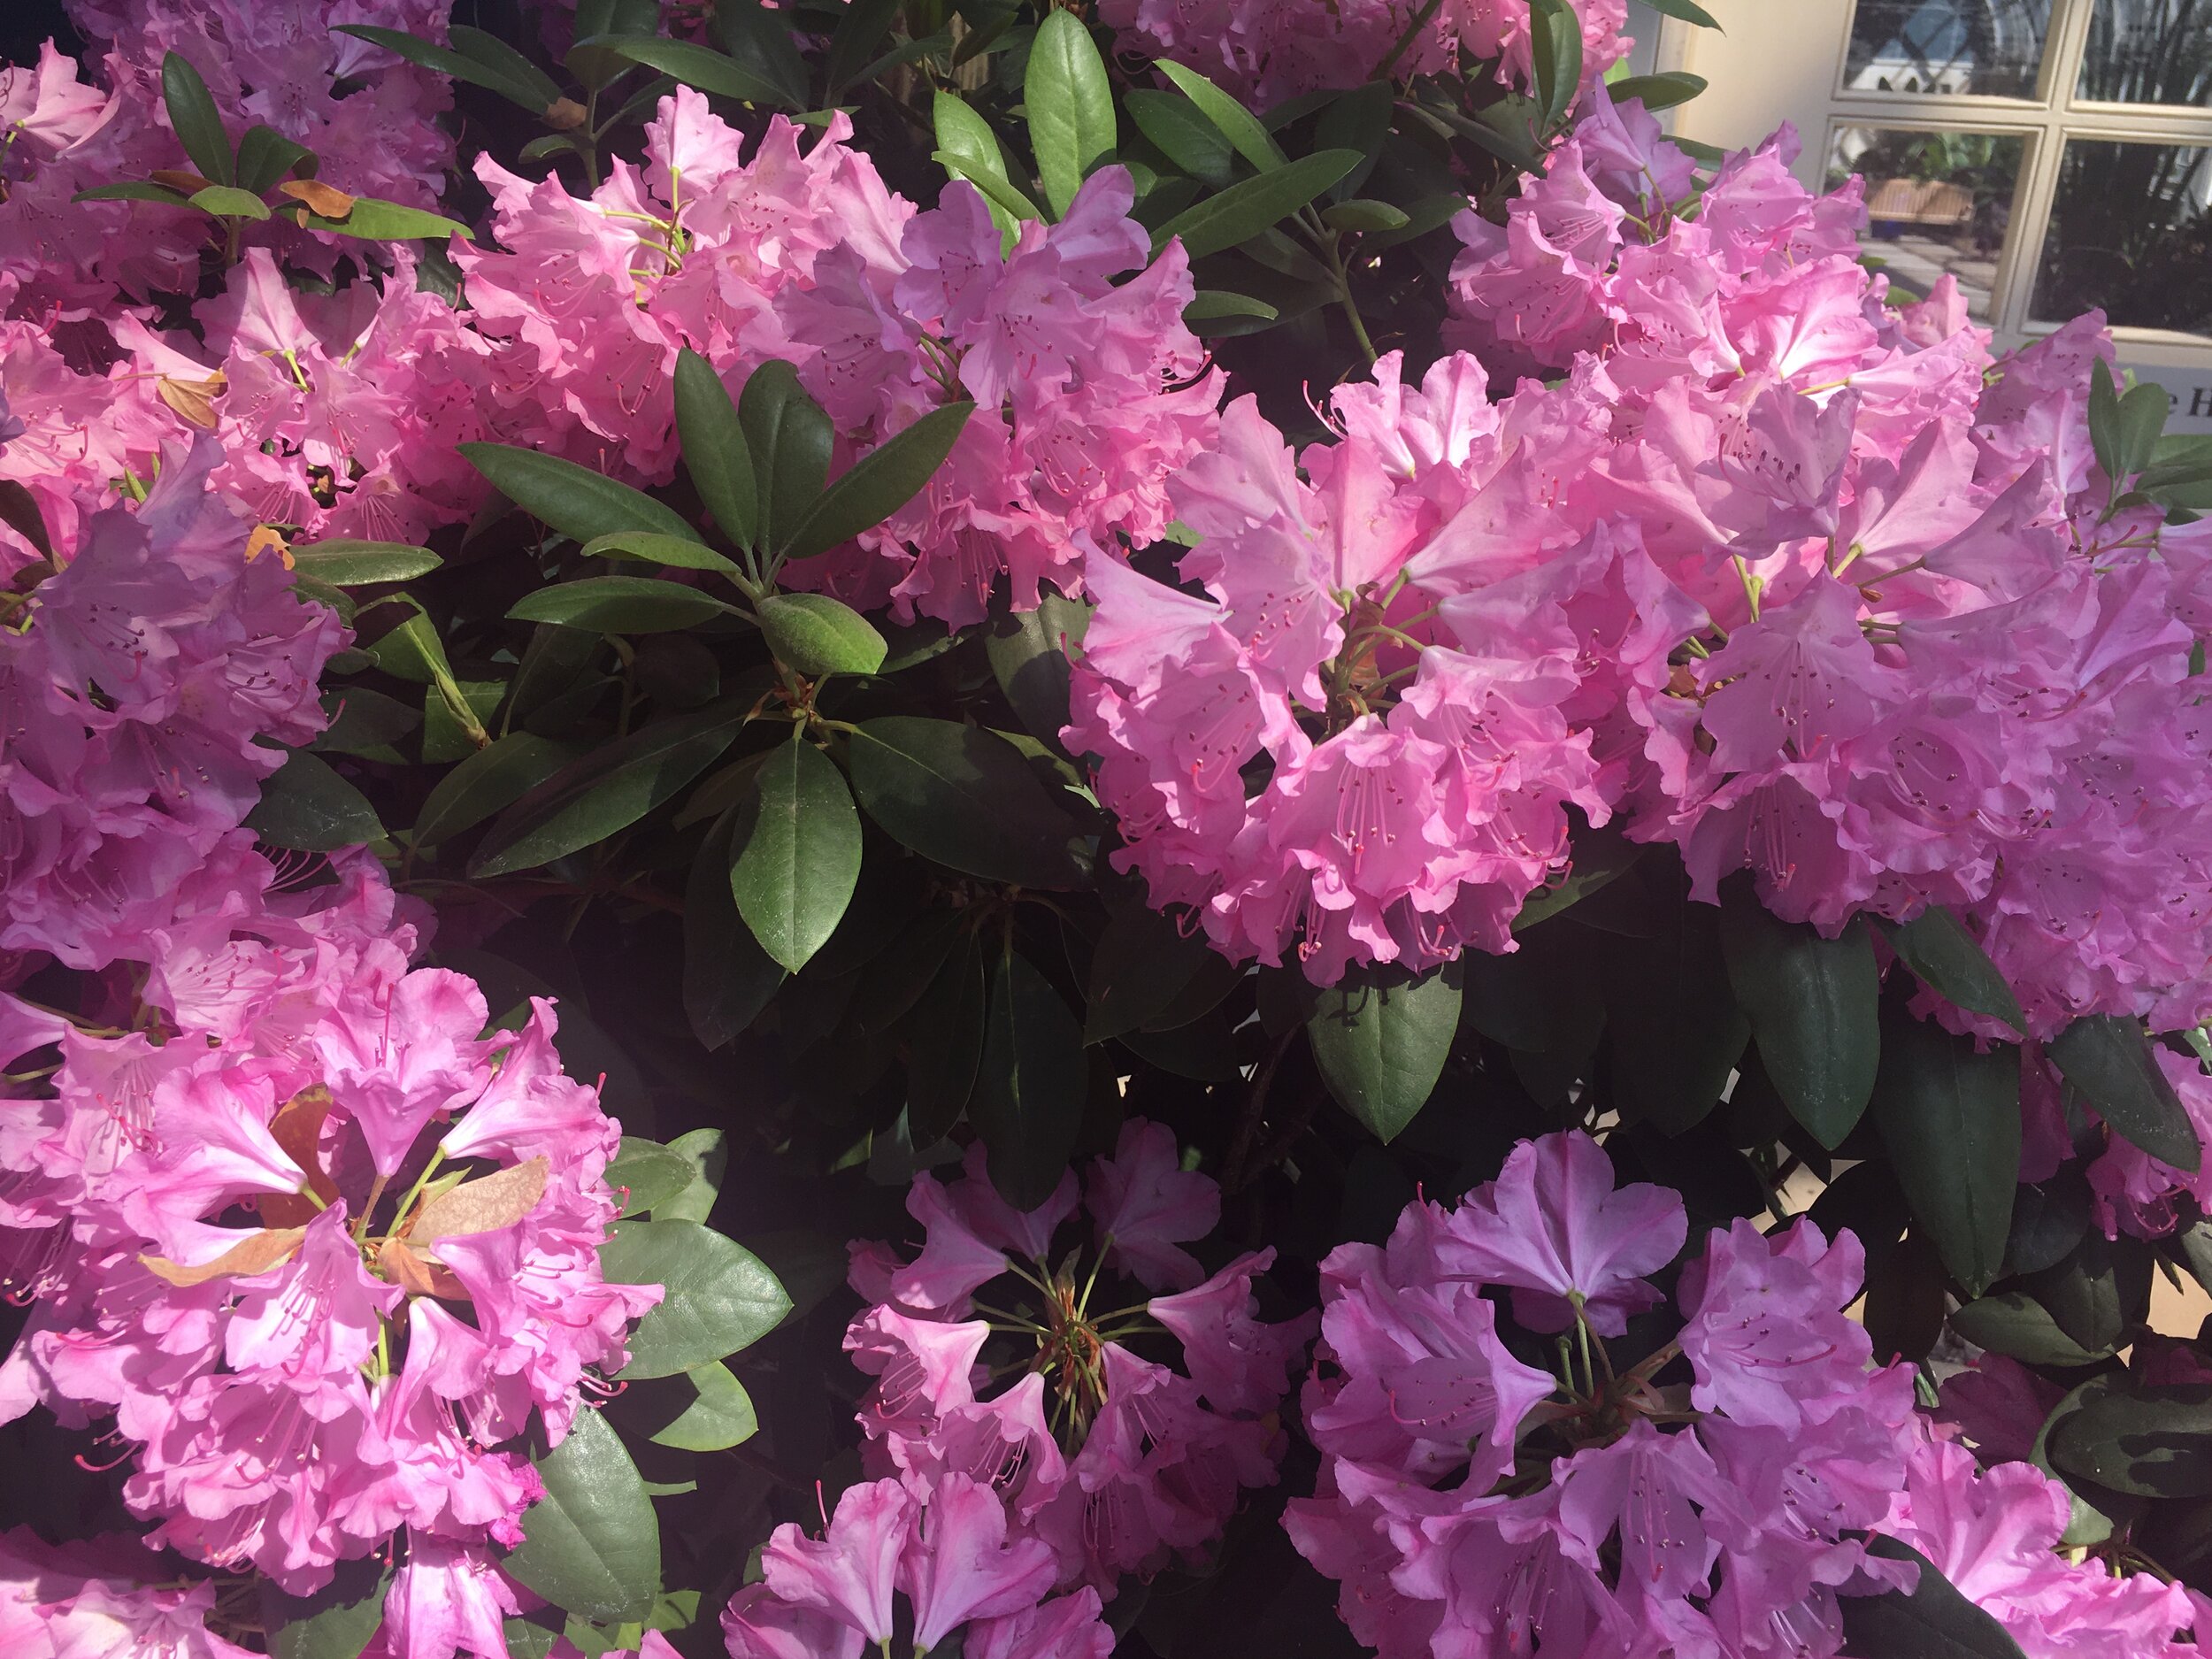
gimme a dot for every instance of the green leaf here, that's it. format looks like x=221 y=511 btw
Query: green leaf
x=2097 y=1292
x=134 y=190
x=2085 y=1523
x=364 y=722
x=880 y=482
x=619 y=604
x=1361 y=215
x=2147 y=1442
x=2016 y=1325
x=790 y=437
x=968 y=149
x=649 y=1172
x=680 y=552
x=1555 y=45
x=1657 y=92
x=728 y=979
x=1595 y=858
x=1030 y=1084
x=708 y=1153
x=336 y=1622
x=1934 y=1622
x=1946 y=958
x=1028 y=654
x=264 y=156
x=945 y=1046
x=718 y=1296
x=1381 y=1048
x=496 y=55
x=1008 y=202
x=1689 y=10
x=715 y=451
x=373 y=220
x=490 y=781
x=1181 y=133
x=817 y=634
x=1238 y=124
x=721 y=1416
x=1141 y=965
x=2142 y=418
x=1950 y=1118
x=853 y=47
x=197 y=123
x=343 y=562
x=307 y=806
x=1246 y=209
x=461 y=66
x=2104 y=420
x=760 y=38
x=579 y=502
x=965 y=798
x=592 y=1544
x=797 y=847
x=695 y=66
x=1071 y=106
x=1673 y=1027
x=2111 y=1064
x=1815 y=1006
x=607 y=790
x=228 y=202
x=1358 y=119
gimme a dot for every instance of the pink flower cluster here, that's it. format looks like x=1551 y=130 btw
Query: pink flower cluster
x=1097 y=1462
x=135 y=685
x=2130 y=1190
x=422 y=1276
x=99 y=1600
x=1770 y=569
x=1092 y=393
x=1734 y=1535
x=1266 y=52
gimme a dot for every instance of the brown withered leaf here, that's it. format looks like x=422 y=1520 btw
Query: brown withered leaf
x=325 y=199
x=297 y=1127
x=415 y=1274
x=192 y=401
x=263 y=538
x=479 y=1206
x=565 y=115
x=183 y=181
x=256 y=1253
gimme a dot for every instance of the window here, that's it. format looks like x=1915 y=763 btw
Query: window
x=2054 y=155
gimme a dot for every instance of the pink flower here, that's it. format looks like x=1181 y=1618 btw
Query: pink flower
x=1067 y=1627
x=1239 y=1364
x=959 y=1566
x=850 y=1571
x=1145 y=1204
x=1766 y=1335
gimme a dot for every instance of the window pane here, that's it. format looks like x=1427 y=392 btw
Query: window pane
x=1989 y=47
x=2130 y=232
x=2148 y=51
x=1937 y=201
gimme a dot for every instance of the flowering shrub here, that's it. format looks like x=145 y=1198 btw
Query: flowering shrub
x=1540 y=847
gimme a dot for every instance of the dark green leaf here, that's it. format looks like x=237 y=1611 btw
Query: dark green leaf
x=2105 y=441
x=1028 y=652
x=728 y=979
x=648 y=1172
x=853 y=47
x=336 y=1622
x=197 y=123
x=719 y=1417
x=1180 y=132
x=1246 y=209
x=2148 y=1442
x=2048 y=1219
x=1934 y=1622
x=373 y=220
x=1216 y=305
x=497 y=56
x=946 y=1045
x=880 y=482
x=1672 y=1027
x=1657 y=92
x=965 y=798
x=1142 y=963
x=1358 y=120
x=1945 y=958
x=1381 y=1048
x=1556 y=48
x=619 y=604
x=1008 y=202
x=1815 y=1006
x=2143 y=410
x=343 y=562
x=592 y=1544
x=607 y=790
x=715 y=451
x=1363 y=215
x=412 y=650
x=590 y=60
x=264 y=156
x=228 y=202
x=490 y=781
x=695 y=66
x=790 y=436
x=2098 y=1292
x=307 y=806
x=1238 y=124
x=1204 y=1049
x=460 y=66
x=680 y=552
x=761 y=39
x=817 y=634
x=1071 y=106
x=579 y=502
x=1950 y=1118
x=2109 y=1062
x=720 y=1298
x=797 y=853
x=1030 y=1084
x=134 y=190
x=2016 y=1325
x=1595 y=857
x=1689 y=10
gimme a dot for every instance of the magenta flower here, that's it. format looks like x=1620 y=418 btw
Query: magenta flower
x=1767 y=1336
x=1145 y=1204
x=959 y=1565
x=850 y=1571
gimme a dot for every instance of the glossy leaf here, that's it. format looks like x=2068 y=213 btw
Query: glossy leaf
x=336 y=1622
x=619 y=604
x=134 y=190
x=264 y=156
x=460 y=66
x=2109 y=1061
x=715 y=451
x=648 y=1171
x=1673 y=1029
x=227 y=202
x=2147 y=1442
x=1179 y=130
x=1141 y=964
x=1381 y=1048
x=1071 y=106
x=728 y=978
x=1946 y=959
x=344 y=562
x=592 y=1544
x=490 y=781
x=1689 y=10
x=1950 y=1119
x=965 y=798
x=373 y=220
x=1009 y=202
x=721 y=1416
x=880 y=482
x=1246 y=209
x=306 y=805
x=2014 y=1323
x=1815 y=1006
x=197 y=123
x=1030 y=1084
x=946 y=1045
x=790 y=437
x=1556 y=51
x=1657 y=92
x=695 y=66
x=607 y=790
x=579 y=502
x=718 y=1296
x=496 y=55
x=1238 y=125
x=795 y=849
x=817 y=634
x=1934 y=1622
x=966 y=138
